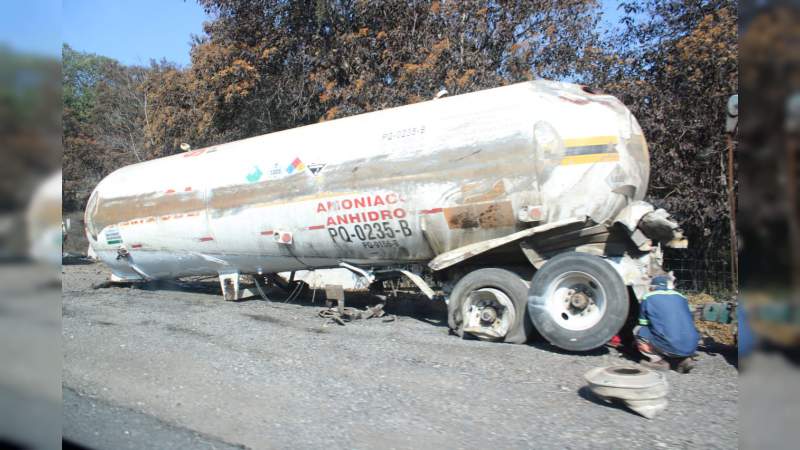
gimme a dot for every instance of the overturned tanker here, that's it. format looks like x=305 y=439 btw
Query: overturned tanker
x=521 y=206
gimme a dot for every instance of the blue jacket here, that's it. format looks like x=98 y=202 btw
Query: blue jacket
x=667 y=323
x=746 y=341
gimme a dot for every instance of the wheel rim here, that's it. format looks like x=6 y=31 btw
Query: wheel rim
x=576 y=301
x=488 y=314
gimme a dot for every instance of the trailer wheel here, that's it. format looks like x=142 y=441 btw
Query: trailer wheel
x=490 y=304
x=578 y=302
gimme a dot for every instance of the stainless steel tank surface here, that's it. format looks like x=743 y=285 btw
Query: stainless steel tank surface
x=397 y=186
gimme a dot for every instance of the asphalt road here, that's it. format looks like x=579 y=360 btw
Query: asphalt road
x=93 y=423
x=177 y=368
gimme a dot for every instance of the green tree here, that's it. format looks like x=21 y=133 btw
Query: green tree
x=675 y=63
x=104 y=120
x=29 y=124
x=267 y=65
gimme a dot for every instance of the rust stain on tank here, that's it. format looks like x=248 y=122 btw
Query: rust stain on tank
x=376 y=173
x=480 y=215
x=123 y=209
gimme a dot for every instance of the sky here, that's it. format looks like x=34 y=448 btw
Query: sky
x=610 y=12
x=131 y=31
x=32 y=26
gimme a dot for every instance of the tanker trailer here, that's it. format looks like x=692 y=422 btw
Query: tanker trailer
x=521 y=206
x=45 y=227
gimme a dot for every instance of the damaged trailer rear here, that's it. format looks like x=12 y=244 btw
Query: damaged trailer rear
x=522 y=207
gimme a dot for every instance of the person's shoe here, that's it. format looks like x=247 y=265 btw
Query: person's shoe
x=661 y=364
x=684 y=366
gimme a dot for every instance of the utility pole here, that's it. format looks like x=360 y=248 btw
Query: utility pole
x=731 y=125
x=792 y=127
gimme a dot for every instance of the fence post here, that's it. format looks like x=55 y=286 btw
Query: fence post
x=731 y=125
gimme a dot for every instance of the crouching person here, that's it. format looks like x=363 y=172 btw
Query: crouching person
x=666 y=334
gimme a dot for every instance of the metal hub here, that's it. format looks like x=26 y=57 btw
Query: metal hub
x=579 y=301
x=576 y=301
x=488 y=314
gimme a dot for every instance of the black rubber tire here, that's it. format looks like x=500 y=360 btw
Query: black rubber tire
x=617 y=303
x=504 y=280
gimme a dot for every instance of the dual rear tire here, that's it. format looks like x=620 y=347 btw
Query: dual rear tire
x=576 y=301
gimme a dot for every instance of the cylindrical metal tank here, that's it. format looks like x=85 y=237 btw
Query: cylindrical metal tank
x=389 y=187
x=44 y=223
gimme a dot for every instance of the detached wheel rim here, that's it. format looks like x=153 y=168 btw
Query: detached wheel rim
x=488 y=314
x=576 y=301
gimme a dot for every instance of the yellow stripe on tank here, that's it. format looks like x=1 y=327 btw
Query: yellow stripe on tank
x=592 y=140
x=590 y=150
x=590 y=159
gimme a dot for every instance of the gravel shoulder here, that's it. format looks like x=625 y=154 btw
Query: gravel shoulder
x=274 y=375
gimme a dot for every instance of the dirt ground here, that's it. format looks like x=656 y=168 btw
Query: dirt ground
x=276 y=375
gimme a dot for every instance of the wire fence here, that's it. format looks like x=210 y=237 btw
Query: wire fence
x=696 y=276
